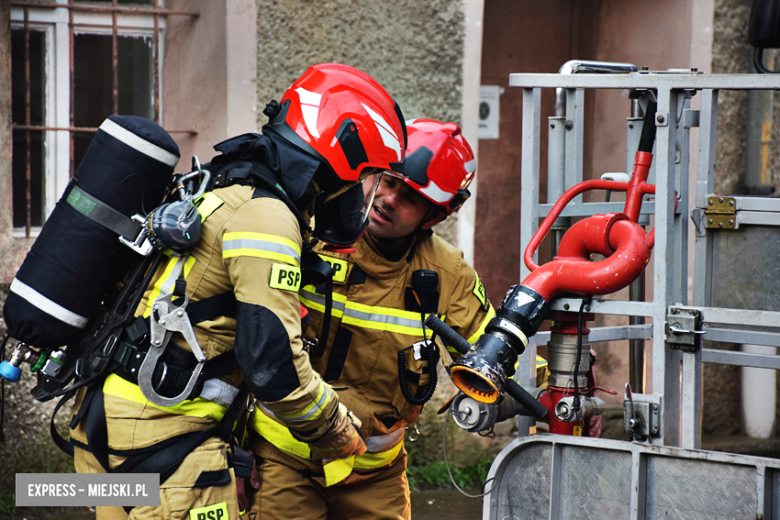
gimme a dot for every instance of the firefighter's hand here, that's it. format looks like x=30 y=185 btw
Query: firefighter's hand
x=342 y=439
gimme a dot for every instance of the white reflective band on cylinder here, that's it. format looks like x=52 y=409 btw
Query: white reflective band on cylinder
x=48 y=306
x=138 y=143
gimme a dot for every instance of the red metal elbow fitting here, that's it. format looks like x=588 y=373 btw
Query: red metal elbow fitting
x=625 y=244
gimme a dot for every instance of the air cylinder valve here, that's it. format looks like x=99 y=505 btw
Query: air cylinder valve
x=11 y=370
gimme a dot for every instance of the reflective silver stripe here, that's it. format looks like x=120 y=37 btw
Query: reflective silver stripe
x=316 y=409
x=48 y=306
x=380 y=443
x=470 y=166
x=261 y=245
x=383 y=318
x=218 y=391
x=167 y=285
x=137 y=143
x=320 y=299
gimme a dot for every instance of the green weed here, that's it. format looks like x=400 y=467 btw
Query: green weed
x=8 y=505
x=435 y=475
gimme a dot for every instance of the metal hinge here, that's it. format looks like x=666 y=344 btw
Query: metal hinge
x=683 y=329
x=720 y=213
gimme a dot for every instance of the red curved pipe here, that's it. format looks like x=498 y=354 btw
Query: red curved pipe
x=573 y=271
x=635 y=190
x=555 y=212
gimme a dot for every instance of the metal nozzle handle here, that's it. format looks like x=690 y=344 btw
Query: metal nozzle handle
x=537 y=409
x=449 y=336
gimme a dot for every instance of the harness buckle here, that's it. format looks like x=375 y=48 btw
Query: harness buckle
x=141 y=243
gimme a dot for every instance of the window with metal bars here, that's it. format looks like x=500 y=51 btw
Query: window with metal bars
x=73 y=65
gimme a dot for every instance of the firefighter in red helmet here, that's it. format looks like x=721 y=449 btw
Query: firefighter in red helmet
x=334 y=128
x=400 y=273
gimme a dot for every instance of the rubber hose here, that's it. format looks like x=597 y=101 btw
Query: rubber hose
x=449 y=336
x=537 y=409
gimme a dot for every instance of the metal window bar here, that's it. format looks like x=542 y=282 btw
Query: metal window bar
x=27 y=121
x=115 y=10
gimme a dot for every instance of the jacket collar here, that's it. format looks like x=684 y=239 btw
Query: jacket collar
x=377 y=266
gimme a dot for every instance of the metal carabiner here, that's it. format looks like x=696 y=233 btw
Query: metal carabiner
x=167 y=318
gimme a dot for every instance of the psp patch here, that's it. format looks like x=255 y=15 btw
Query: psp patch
x=479 y=290
x=285 y=277
x=215 y=512
x=339 y=268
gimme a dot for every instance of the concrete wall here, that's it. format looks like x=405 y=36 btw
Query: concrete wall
x=209 y=74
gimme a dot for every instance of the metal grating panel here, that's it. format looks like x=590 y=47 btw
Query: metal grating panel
x=558 y=477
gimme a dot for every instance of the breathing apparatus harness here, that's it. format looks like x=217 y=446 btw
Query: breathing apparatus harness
x=138 y=350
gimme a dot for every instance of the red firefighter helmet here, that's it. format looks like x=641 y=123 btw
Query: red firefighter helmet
x=439 y=163
x=341 y=115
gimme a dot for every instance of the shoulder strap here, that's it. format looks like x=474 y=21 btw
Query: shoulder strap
x=257 y=174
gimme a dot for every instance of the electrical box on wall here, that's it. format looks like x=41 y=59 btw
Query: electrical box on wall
x=489 y=111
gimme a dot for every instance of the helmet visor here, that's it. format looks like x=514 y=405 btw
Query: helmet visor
x=343 y=216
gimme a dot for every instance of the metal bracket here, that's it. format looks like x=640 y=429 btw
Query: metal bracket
x=683 y=329
x=697 y=216
x=690 y=118
x=641 y=415
x=720 y=213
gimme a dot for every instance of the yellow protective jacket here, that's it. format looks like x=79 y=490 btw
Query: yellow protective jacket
x=371 y=323
x=250 y=245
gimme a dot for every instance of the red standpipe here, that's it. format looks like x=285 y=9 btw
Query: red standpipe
x=617 y=236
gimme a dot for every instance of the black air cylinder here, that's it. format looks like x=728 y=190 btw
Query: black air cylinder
x=75 y=260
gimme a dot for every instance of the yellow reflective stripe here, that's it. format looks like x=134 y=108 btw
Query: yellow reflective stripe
x=261 y=245
x=377 y=460
x=490 y=315
x=337 y=470
x=118 y=387
x=166 y=282
x=540 y=363
x=279 y=435
x=365 y=316
x=314 y=301
x=384 y=318
x=207 y=205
